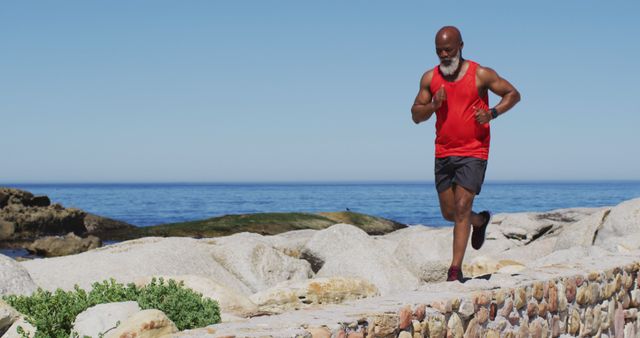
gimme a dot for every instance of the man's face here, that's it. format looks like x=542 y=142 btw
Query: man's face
x=448 y=52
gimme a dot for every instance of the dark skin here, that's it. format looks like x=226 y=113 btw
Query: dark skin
x=456 y=203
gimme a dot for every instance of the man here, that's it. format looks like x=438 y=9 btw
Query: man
x=457 y=91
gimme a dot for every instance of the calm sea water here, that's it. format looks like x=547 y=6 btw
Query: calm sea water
x=410 y=203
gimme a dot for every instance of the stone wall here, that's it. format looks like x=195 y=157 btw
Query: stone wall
x=601 y=304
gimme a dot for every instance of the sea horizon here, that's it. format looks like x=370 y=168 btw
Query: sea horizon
x=312 y=182
x=408 y=202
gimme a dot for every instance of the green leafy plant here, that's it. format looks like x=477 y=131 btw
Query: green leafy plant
x=53 y=313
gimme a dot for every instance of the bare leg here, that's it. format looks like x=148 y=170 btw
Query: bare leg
x=448 y=208
x=447 y=204
x=463 y=219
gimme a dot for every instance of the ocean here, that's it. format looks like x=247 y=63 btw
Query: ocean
x=147 y=204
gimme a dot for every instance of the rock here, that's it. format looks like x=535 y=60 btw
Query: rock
x=404 y=317
x=537 y=290
x=4 y=198
x=12 y=332
x=506 y=308
x=618 y=320
x=14 y=279
x=327 y=250
x=454 y=326
x=70 y=244
x=7 y=229
x=8 y=315
x=482 y=315
x=420 y=312
x=38 y=201
x=527 y=227
x=129 y=260
x=570 y=285
x=405 y=334
x=467 y=309
x=144 y=324
x=370 y=224
x=386 y=325
x=621 y=227
x=553 y=297
x=229 y=300
x=290 y=243
x=299 y=294
x=629 y=330
x=520 y=298
x=33 y=222
x=483 y=265
x=573 y=322
x=473 y=329
x=10 y=196
x=562 y=297
x=319 y=332
x=582 y=232
x=428 y=262
x=443 y=307
x=261 y=223
x=103 y=317
x=432 y=271
x=98 y=225
x=256 y=263
x=436 y=326
x=543 y=309
x=555 y=326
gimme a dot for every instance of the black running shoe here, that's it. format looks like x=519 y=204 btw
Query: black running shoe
x=455 y=273
x=479 y=233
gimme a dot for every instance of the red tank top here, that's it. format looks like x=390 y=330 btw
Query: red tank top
x=457 y=132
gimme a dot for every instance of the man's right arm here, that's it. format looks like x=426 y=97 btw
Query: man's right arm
x=423 y=106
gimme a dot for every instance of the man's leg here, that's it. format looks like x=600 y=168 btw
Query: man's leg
x=464 y=218
x=447 y=204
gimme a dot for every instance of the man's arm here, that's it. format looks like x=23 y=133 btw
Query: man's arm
x=425 y=104
x=488 y=78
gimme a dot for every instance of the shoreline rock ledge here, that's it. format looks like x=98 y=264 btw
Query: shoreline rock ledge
x=573 y=271
x=25 y=218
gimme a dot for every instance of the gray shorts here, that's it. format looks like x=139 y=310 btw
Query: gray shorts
x=464 y=171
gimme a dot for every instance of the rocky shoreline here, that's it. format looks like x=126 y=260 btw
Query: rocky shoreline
x=571 y=271
x=44 y=229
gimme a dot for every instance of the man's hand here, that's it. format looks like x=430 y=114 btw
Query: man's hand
x=482 y=116
x=440 y=96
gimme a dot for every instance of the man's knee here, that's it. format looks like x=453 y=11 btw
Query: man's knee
x=449 y=215
x=462 y=209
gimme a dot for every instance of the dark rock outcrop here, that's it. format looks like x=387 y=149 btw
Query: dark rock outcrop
x=24 y=216
x=54 y=246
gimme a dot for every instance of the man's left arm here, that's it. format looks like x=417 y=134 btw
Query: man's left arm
x=488 y=78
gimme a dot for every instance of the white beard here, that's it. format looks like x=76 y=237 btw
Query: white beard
x=452 y=67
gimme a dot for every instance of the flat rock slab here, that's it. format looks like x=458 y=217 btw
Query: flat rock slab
x=295 y=323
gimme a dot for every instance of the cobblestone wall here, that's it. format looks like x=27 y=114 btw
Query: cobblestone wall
x=601 y=304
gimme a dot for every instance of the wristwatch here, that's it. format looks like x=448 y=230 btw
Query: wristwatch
x=494 y=113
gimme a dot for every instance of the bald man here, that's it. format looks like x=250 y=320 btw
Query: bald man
x=457 y=91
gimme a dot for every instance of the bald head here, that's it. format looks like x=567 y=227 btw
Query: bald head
x=448 y=34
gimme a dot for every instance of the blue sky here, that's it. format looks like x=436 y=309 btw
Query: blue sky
x=121 y=91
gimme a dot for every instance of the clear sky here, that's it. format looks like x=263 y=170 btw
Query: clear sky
x=228 y=91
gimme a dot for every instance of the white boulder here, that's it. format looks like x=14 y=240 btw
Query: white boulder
x=14 y=278
x=101 y=318
x=255 y=262
x=144 y=324
x=129 y=260
x=292 y=295
x=347 y=251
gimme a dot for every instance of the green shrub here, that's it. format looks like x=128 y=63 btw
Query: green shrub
x=53 y=313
